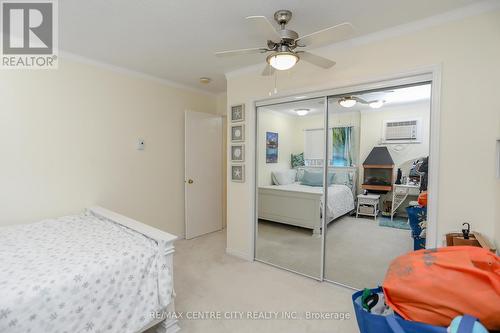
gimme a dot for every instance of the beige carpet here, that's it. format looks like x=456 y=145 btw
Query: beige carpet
x=358 y=251
x=206 y=279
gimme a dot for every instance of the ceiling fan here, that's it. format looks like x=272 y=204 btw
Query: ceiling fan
x=285 y=43
x=350 y=101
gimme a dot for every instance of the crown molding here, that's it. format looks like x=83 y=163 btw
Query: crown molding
x=403 y=29
x=129 y=72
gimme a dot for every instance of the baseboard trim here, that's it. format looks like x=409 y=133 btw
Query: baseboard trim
x=239 y=254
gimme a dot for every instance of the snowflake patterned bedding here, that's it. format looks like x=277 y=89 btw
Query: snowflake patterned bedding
x=80 y=274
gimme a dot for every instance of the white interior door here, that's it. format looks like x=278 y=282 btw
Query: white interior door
x=203 y=173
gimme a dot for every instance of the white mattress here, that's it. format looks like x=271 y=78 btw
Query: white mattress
x=79 y=274
x=340 y=198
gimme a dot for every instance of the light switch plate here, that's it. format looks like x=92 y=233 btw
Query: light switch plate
x=140 y=144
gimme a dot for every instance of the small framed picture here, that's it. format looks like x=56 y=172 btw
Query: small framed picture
x=238 y=153
x=237 y=113
x=238 y=173
x=271 y=147
x=238 y=133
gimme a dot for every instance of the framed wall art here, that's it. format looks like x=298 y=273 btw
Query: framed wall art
x=238 y=153
x=237 y=113
x=238 y=133
x=238 y=173
x=271 y=147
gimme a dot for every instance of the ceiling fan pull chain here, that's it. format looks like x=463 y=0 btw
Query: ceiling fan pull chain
x=276 y=82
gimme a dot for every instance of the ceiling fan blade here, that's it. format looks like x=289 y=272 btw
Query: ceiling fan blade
x=262 y=25
x=316 y=60
x=329 y=35
x=268 y=70
x=230 y=53
x=361 y=100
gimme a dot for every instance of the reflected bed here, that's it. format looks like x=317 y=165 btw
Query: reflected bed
x=301 y=205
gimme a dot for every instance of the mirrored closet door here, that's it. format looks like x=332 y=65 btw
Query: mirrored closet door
x=377 y=160
x=342 y=182
x=290 y=178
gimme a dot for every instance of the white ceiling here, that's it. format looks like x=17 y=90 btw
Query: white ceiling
x=392 y=97
x=176 y=39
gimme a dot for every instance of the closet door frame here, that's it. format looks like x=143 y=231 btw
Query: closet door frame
x=431 y=74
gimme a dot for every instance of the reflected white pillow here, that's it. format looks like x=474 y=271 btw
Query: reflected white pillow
x=284 y=177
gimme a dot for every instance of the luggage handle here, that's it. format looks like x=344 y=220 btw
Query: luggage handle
x=466 y=324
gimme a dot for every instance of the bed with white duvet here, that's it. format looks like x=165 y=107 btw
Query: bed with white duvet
x=93 y=272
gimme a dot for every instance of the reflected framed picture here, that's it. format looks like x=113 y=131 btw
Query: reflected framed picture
x=238 y=133
x=238 y=153
x=271 y=147
x=238 y=173
x=237 y=113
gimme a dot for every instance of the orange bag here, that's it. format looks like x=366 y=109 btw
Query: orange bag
x=422 y=199
x=434 y=286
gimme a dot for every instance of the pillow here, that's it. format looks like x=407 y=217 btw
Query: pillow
x=340 y=178
x=312 y=178
x=283 y=177
x=300 y=174
x=298 y=160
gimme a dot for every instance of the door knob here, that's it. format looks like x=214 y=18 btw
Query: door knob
x=190 y=181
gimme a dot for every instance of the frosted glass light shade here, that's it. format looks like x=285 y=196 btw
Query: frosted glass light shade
x=282 y=60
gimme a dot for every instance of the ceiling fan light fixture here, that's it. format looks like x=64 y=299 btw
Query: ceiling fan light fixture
x=302 y=112
x=282 y=60
x=376 y=104
x=347 y=102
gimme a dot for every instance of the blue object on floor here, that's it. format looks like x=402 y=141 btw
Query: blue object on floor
x=418 y=243
x=416 y=214
x=397 y=222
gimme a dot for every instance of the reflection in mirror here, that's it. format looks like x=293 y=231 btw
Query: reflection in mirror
x=290 y=162
x=378 y=141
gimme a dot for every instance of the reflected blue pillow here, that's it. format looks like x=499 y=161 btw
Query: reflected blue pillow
x=314 y=178
x=341 y=179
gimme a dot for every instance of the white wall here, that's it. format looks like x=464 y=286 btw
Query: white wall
x=68 y=140
x=468 y=49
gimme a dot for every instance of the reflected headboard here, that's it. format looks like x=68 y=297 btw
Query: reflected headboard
x=342 y=175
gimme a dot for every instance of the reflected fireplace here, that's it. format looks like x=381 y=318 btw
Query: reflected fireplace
x=378 y=171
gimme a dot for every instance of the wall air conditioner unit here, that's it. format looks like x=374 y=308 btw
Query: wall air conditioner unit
x=402 y=131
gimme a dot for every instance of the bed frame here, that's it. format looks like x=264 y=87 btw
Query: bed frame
x=297 y=208
x=166 y=242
